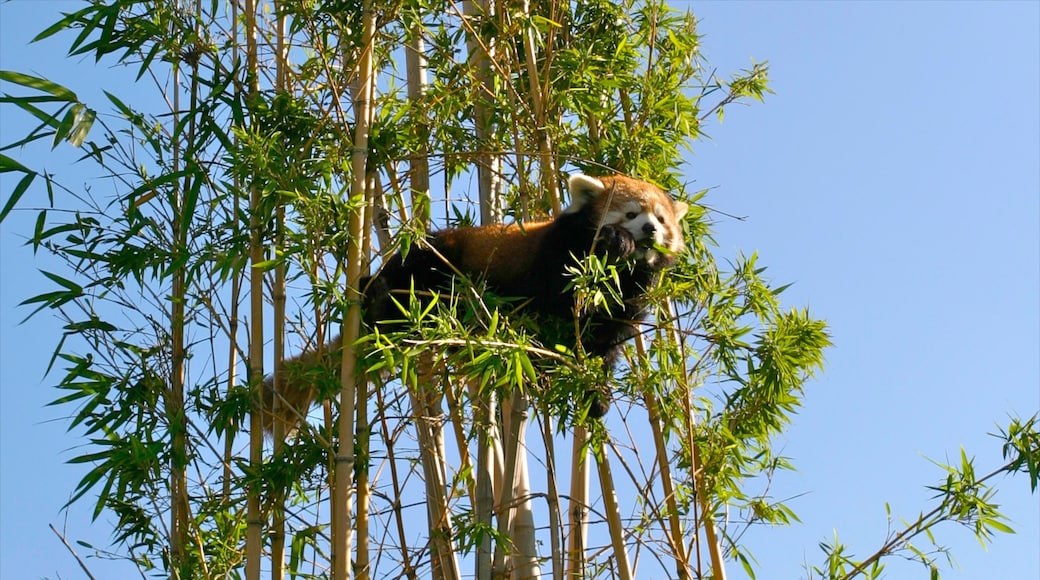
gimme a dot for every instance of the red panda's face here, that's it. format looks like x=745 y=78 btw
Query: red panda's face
x=640 y=208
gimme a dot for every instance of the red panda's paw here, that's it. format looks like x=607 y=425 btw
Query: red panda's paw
x=616 y=242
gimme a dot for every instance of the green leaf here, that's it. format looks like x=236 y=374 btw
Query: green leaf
x=16 y=195
x=39 y=84
x=63 y=24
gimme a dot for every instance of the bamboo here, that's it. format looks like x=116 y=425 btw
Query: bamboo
x=429 y=421
x=278 y=426
x=578 y=525
x=362 y=562
x=418 y=161
x=344 y=472
x=515 y=520
x=229 y=434
x=485 y=500
x=674 y=531
x=610 y=506
x=553 y=493
x=254 y=517
x=489 y=558
x=489 y=165
x=718 y=566
x=522 y=530
x=504 y=498
x=539 y=95
x=175 y=401
x=236 y=289
x=395 y=482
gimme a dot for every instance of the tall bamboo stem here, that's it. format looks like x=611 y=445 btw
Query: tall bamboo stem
x=362 y=564
x=278 y=426
x=610 y=506
x=236 y=287
x=553 y=493
x=485 y=501
x=577 y=509
x=488 y=163
x=710 y=535
x=429 y=421
x=675 y=538
x=418 y=161
x=515 y=520
x=539 y=96
x=175 y=401
x=344 y=476
x=254 y=517
x=525 y=559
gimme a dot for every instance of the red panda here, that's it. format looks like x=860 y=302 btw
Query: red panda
x=617 y=217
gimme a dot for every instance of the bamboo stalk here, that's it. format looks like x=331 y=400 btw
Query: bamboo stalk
x=504 y=500
x=525 y=559
x=485 y=501
x=364 y=493
x=515 y=520
x=429 y=421
x=538 y=95
x=278 y=426
x=489 y=165
x=395 y=482
x=418 y=161
x=236 y=289
x=674 y=531
x=610 y=507
x=229 y=434
x=254 y=517
x=344 y=472
x=362 y=565
x=553 y=493
x=718 y=565
x=175 y=401
x=577 y=509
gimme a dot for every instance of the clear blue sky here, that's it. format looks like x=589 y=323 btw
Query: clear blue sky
x=894 y=177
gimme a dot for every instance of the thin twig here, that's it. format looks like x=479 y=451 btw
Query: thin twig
x=82 y=564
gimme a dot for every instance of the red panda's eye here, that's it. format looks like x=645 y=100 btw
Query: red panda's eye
x=631 y=215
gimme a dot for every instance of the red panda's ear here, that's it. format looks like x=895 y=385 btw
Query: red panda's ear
x=680 y=208
x=583 y=190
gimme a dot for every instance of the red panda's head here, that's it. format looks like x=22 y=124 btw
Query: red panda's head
x=641 y=208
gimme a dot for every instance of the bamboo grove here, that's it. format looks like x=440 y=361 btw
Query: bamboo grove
x=271 y=154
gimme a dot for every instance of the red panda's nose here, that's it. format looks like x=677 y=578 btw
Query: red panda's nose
x=649 y=228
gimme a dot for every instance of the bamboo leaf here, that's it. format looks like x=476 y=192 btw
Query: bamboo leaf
x=63 y=24
x=16 y=194
x=40 y=84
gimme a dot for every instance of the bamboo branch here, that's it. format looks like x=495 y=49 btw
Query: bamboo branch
x=82 y=564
